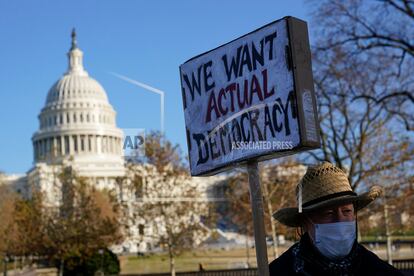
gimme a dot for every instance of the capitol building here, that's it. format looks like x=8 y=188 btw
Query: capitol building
x=77 y=127
x=77 y=124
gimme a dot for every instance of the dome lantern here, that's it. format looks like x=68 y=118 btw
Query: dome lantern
x=75 y=57
x=74 y=42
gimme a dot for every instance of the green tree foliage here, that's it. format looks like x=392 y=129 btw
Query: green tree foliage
x=82 y=224
x=7 y=226
x=29 y=221
x=104 y=261
x=69 y=232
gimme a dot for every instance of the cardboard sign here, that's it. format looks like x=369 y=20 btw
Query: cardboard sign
x=252 y=98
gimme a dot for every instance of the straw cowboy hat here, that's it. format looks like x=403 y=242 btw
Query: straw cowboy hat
x=324 y=185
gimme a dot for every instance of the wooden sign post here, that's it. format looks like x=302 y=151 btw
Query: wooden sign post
x=249 y=100
x=256 y=200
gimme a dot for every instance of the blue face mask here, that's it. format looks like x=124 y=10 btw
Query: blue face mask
x=335 y=240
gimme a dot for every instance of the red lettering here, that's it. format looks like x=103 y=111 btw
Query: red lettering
x=245 y=101
x=222 y=94
x=255 y=88
x=244 y=93
x=212 y=105
x=231 y=88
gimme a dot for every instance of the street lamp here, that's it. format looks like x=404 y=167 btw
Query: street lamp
x=387 y=231
x=5 y=260
x=101 y=253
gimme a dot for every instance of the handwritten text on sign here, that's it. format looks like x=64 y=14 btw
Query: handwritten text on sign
x=239 y=100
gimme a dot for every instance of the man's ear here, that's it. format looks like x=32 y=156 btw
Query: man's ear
x=306 y=223
x=307 y=226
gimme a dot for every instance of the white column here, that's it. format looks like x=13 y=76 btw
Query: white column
x=119 y=145
x=93 y=143
x=71 y=148
x=65 y=144
x=47 y=141
x=103 y=144
x=54 y=147
x=79 y=144
x=98 y=144
x=62 y=145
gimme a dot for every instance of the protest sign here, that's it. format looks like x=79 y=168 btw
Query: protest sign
x=252 y=98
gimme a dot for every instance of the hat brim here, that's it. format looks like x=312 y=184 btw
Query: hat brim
x=291 y=216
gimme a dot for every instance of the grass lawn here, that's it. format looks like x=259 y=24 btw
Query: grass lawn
x=189 y=261
x=383 y=238
x=218 y=259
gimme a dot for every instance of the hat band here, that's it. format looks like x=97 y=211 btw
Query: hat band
x=327 y=197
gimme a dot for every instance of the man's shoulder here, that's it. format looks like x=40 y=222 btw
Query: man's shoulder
x=371 y=261
x=282 y=264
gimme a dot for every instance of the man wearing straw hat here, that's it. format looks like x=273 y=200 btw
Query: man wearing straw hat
x=326 y=216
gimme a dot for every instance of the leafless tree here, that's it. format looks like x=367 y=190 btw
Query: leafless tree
x=363 y=55
x=378 y=31
x=279 y=181
x=173 y=207
x=357 y=134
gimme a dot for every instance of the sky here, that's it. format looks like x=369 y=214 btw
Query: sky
x=142 y=40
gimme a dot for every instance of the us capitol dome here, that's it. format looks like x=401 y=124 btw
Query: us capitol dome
x=77 y=128
x=77 y=124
